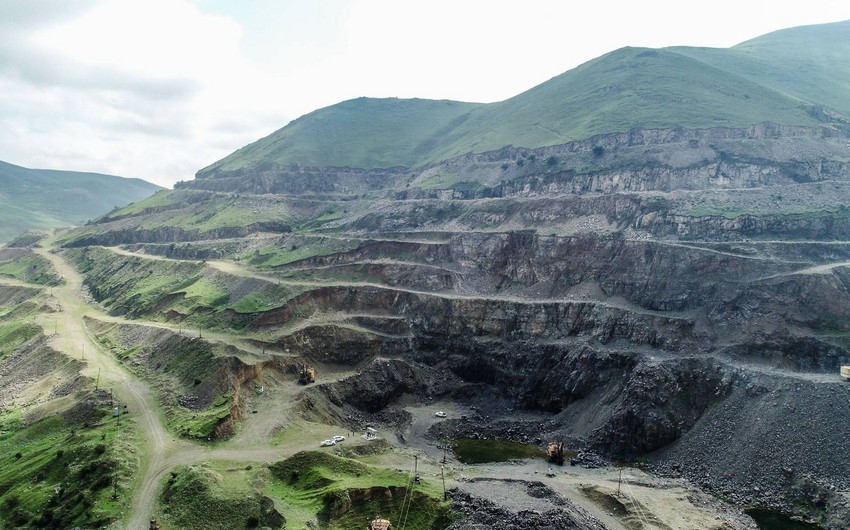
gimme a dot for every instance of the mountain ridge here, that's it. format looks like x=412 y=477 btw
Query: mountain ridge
x=627 y=88
x=48 y=198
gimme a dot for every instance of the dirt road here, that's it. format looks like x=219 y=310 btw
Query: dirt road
x=73 y=337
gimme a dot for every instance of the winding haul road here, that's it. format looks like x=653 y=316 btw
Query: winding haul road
x=161 y=452
x=73 y=335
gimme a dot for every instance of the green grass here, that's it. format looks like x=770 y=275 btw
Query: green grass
x=471 y=451
x=271 y=256
x=344 y=493
x=440 y=181
x=40 y=199
x=231 y=212
x=309 y=487
x=29 y=267
x=138 y=284
x=15 y=333
x=624 y=89
x=174 y=366
x=161 y=200
x=359 y=133
x=200 y=497
x=250 y=303
x=206 y=293
x=55 y=474
x=192 y=210
x=199 y=424
x=809 y=62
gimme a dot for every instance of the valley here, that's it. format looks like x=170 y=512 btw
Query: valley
x=679 y=352
x=390 y=308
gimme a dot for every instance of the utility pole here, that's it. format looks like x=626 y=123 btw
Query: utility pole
x=97 y=381
x=415 y=465
x=84 y=351
x=443 y=474
x=445 y=449
x=619 y=481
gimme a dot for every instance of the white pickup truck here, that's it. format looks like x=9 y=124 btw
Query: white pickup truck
x=845 y=372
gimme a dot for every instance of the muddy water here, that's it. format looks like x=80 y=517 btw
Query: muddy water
x=771 y=520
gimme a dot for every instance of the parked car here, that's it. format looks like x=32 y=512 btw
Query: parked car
x=440 y=414
x=328 y=442
x=338 y=438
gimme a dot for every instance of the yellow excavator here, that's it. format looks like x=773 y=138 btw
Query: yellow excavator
x=555 y=453
x=307 y=375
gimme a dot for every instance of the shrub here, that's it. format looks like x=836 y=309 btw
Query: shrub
x=598 y=150
x=552 y=161
x=11 y=502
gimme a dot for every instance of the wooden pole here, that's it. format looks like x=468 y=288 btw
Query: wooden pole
x=619 y=481
x=443 y=474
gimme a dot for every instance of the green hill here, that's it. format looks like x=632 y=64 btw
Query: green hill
x=41 y=198
x=625 y=89
x=809 y=62
x=798 y=76
x=363 y=132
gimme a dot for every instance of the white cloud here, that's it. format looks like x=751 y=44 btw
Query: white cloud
x=129 y=88
x=158 y=89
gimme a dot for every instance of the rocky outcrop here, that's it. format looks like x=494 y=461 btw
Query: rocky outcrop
x=167 y=234
x=561 y=514
x=321 y=182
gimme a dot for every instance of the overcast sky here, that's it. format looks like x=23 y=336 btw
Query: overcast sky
x=158 y=89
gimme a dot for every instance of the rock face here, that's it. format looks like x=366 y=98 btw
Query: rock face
x=556 y=514
x=673 y=295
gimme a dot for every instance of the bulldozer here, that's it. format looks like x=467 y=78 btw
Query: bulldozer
x=307 y=375
x=555 y=453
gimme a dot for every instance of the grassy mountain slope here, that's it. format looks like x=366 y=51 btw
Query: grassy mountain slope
x=778 y=77
x=41 y=198
x=363 y=132
x=809 y=62
x=628 y=88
